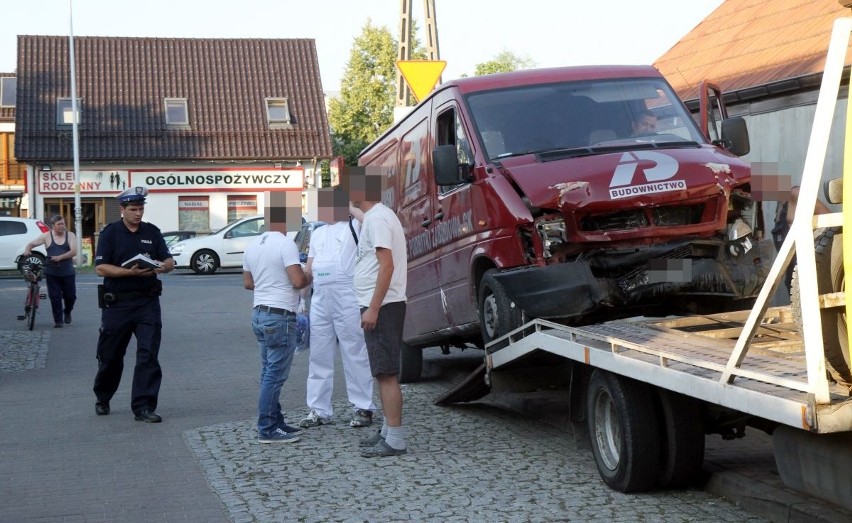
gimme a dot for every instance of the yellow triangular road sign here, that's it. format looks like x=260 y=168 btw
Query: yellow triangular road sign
x=421 y=75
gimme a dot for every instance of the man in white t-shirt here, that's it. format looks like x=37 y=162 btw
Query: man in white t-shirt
x=335 y=317
x=381 y=271
x=272 y=270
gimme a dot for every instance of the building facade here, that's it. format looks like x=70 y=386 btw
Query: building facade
x=207 y=125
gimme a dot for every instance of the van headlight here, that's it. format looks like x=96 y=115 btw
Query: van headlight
x=176 y=249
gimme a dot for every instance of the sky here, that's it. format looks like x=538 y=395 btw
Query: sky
x=550 y=33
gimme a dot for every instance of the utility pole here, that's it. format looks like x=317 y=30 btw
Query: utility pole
x=403 y=93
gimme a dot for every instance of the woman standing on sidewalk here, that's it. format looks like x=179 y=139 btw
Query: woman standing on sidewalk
x=61 y=248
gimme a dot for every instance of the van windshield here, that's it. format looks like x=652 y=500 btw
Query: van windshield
x=604 y=114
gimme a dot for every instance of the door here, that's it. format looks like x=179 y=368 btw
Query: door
x=237 y=239
x=455 y=239
x=425 y=313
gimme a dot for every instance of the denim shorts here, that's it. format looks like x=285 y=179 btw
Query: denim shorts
x=384 y=342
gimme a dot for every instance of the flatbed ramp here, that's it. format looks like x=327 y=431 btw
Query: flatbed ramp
x=691 y=355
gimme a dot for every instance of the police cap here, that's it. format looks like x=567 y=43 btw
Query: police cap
x=133 y=195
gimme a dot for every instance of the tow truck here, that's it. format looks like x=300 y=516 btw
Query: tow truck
x=647 y=390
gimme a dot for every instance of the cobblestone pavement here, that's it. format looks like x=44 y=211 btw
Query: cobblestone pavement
x=465 y=463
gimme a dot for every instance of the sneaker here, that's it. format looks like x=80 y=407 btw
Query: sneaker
x=371 y=441
x=57 y=325
x=381 y=450
x=291 y=430
x=361 y=418
x=278 y=436
x=314 y=420
x=68 y=317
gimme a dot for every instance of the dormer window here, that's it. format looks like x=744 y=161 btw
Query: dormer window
x=8 y=91
x=177 y=113
x=65 y=111
x=277 y=113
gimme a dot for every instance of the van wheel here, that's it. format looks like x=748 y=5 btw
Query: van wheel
x=204 y=262
x=410 y=363
x=830 y=278
x=498 y=314
x=682 y=448
x=624 y=432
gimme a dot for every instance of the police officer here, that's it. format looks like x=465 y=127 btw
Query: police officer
x=131 y=306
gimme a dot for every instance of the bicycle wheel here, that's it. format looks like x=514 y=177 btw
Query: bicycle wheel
x=33 y=299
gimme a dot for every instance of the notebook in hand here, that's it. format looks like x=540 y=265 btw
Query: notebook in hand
x=143 y=261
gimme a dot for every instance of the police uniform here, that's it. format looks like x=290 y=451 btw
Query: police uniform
x=131 y=306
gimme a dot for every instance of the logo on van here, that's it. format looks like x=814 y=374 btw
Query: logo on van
x=658 y=176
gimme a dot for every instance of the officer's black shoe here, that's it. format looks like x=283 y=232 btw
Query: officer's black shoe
x=102 y=408
x=68 y=317
x=57 y=325
x=148 y=416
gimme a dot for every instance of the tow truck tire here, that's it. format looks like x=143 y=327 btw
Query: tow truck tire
x=498 y=314
x=204 y=262
x=682 y=422
x=410 y=363
x=828 y=252
x=624 y=431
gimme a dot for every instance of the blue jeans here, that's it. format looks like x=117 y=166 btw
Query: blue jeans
x=276 y=339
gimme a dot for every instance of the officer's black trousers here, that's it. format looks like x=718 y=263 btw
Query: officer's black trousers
x=139 y=317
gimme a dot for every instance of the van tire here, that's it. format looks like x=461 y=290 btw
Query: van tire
x=828 y=252
x=624 y=432
x=498 y=314
x=410 y=363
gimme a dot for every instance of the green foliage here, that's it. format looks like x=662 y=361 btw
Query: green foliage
x=364 y=108
x=504 y=62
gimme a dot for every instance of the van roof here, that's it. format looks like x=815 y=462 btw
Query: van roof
x=530 y=77
x=555 y=74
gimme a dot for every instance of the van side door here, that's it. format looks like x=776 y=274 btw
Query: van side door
x=424 y=312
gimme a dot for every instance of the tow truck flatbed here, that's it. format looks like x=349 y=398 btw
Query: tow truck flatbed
x=690 y=355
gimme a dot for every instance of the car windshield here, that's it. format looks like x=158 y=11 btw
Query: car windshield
x=609 y=114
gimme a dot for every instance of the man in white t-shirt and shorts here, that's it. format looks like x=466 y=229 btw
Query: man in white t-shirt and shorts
x=272 y=270
x=381 y=271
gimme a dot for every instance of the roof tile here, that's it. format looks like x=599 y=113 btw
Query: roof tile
x=122 y=83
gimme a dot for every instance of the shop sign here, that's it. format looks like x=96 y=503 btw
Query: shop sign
x=51 y=182
x=249 y=179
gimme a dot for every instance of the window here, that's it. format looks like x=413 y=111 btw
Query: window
x=177 y=114
x=8 y=91
x=64 y=111
x=277 y=112
x=241 y=207
x=193 y=213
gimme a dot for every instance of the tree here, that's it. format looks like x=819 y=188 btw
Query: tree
x=504 y=62
x=367 y=92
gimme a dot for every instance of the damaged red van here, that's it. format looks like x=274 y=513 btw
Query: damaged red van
x=577 y=194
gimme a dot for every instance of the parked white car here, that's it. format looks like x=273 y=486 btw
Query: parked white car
x=15 y=234
x=221 y=249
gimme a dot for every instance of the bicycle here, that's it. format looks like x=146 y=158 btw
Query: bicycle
x=33 y=272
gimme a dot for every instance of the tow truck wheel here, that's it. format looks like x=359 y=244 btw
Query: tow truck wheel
x=410 y=363
x=682 y=422
x=624 y=432
x=830 y=278
x=204 y=262
x=498 y=314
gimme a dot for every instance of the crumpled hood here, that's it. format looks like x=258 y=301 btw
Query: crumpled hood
x=619 y=179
